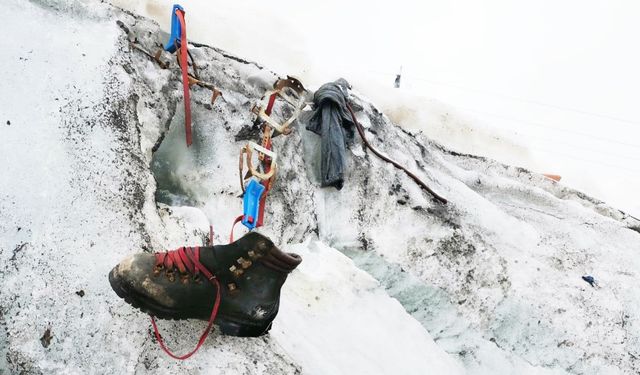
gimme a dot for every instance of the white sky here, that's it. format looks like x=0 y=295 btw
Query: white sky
x=560 y=76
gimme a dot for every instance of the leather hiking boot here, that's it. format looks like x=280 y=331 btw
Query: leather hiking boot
x=183 y=283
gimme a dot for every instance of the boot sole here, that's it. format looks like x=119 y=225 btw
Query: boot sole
x=227 y=325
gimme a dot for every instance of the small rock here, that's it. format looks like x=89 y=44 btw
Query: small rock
x=80 y=293
x=591 y=280
x=45 y=340
x=8 y=122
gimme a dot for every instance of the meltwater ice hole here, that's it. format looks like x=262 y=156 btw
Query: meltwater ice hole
x=175 y=166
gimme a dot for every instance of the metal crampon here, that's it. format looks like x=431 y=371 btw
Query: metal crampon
x=293 y=93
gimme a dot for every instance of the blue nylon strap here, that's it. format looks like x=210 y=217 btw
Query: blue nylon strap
x=174 y=38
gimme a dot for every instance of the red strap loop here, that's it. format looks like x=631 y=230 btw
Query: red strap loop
x=236 y=221
x=204 y=335
x=189 y=259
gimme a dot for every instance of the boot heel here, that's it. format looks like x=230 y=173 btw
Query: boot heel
x=231 y=328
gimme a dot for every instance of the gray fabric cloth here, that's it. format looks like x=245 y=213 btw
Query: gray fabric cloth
x=332 y=122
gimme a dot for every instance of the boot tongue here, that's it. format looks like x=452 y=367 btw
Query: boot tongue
x=219 y=258
x=270 y=255
x=281 y=261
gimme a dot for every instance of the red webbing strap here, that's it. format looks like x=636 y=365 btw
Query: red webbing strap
x=272 y=100
x=185 y=76
x=267 y=167
x=263 y=198
x=236 y=221
x=194 y=258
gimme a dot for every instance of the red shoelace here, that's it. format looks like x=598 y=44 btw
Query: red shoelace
x=187 y=261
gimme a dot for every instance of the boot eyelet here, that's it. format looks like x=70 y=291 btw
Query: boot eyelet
x=236 y=271
x=262 y=247
x=244 y=263
x=171 y=276
x=157 y=269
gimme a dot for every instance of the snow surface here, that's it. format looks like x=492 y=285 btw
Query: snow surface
x=488 y=284
x=335 y=319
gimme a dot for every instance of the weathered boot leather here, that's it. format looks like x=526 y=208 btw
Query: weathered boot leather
x=250 y=272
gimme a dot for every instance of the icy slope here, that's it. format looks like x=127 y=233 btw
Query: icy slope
x=335 y=319
x=493 y=277
x=77 y=196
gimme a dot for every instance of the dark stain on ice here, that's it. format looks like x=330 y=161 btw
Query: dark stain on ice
x=395 y=188
x=247 y=132
x=447 y=215
x=122 y=26
x=45 y=340
x=18 y=249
